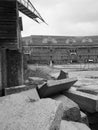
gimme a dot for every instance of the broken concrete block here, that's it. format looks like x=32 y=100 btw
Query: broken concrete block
x=52 y=87
x=62 y=75
x=84 y=118
x=17 y=89
x=70 y=125
x=44 y=114
x=71 y=109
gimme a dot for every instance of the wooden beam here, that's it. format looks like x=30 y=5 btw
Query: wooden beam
x=9 y=24
x=87 y=102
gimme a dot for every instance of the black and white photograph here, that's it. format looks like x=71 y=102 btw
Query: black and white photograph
x=48 y=64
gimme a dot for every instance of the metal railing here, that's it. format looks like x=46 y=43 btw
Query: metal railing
x=30 y=6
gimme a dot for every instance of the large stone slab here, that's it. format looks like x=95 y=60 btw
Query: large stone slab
x=71 y=109
x=70 y=125
x=52 y=87
x=87 y=102
x=20 y=114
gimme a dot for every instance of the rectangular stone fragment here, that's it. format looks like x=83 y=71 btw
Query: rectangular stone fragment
x=71 y=109
x=87 y=102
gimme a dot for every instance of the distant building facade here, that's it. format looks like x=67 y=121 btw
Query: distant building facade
x=61 y=49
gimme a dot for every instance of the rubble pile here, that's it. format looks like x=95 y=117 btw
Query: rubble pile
x=27 y=110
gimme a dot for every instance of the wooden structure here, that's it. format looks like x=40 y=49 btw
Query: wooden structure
x=9 y=25
x=11 y=57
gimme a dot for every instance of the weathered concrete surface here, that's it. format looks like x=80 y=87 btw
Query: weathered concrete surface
x=71 y=109
x=17 y=113
x=52 y=87
x=62 y=75
x=17 y=89
x=84 y=118
x=70 y=125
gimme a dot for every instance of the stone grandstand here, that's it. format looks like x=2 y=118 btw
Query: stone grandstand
x=61 y=49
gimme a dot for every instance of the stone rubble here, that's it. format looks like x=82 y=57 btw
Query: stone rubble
x=26 y=111
x=17 y=112
x=71 y=109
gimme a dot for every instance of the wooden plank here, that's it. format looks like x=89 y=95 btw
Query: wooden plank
x=9 y=24
x=87 y=102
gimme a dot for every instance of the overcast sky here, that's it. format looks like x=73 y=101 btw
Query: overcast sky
x=64 y=17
